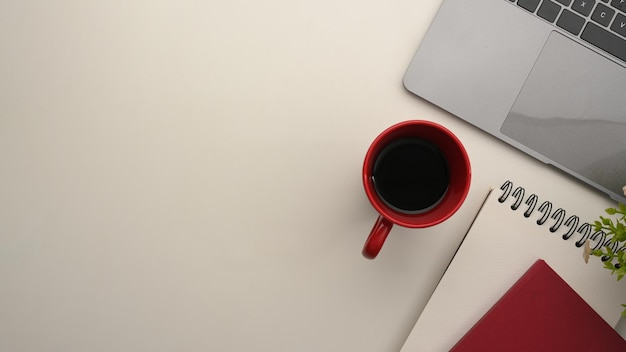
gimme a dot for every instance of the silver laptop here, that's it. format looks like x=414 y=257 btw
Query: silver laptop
x=546 y=76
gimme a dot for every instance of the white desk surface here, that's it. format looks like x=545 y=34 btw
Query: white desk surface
x=186 y=175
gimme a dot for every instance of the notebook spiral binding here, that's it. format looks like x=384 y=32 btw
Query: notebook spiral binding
x=558 y=218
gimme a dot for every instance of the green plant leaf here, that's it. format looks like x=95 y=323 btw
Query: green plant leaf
x=609 y=250
x=621 y=271
x=620 y=232
x=597 y=252
x=597 y=225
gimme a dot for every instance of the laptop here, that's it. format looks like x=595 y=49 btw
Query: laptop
x=546 y=76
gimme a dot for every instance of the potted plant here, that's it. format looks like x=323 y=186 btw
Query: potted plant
x=613 y=252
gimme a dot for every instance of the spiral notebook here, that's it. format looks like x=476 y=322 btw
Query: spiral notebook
x=513 y=229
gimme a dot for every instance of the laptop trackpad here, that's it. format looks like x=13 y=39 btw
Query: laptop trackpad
x=572 y=114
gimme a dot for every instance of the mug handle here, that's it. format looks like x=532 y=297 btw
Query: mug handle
x=377 y=237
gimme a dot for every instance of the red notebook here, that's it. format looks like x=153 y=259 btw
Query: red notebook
x=541 y=312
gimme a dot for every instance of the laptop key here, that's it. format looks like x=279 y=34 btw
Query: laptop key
x=603 y=14
x=619 y=4
x=565 y=2
x=583 y=7
x=548 y=10
x=571 y=22
x=530 y=5
x=619 y=25
x=605 y=40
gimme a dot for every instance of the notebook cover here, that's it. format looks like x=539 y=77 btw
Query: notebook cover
x=541 y=312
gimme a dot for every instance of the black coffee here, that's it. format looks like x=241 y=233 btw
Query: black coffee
x=411 y=175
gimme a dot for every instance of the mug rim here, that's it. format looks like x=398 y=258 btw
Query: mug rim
x=451 y=147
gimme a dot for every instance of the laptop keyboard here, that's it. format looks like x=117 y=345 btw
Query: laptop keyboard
x=601 y=23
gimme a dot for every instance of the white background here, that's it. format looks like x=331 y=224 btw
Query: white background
x=186 y=175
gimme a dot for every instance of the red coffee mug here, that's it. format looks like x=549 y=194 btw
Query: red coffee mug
x=458 y=175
